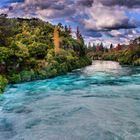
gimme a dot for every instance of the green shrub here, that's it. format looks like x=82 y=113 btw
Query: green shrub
x=14 y=78
x=5 y=54
x=137 y=62
x=38 y=50
x=27 y=75
x=3 y=83
x=42 y=74
x=53 y=73
x=64 y=68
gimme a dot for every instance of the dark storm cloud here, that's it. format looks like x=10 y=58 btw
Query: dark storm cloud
x=127 y=3
x=123 y=25
x=87 y=3
x=92 y=33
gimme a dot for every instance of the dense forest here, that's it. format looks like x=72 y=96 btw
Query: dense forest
x=31 y=49
x=124 y=54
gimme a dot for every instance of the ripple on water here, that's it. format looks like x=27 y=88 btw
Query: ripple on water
x=99 y=102
x=6 y=129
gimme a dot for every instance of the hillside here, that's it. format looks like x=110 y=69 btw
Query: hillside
x=31 y=49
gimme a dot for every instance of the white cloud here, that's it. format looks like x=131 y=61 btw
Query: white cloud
x=101 y=17
x=115 y=33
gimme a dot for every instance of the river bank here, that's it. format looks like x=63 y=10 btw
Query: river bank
x=125 y=56
x=49 y=71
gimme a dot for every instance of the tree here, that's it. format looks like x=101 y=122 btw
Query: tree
x=60 y=25
x=78 y=33
x=5 y=54
x=66 y=28
x=111 y=46
x=94 y=47
x=100 y=47
x=81 y=43
x=56 y=40
x=6 y=30
x=38 y=50
x=89 y=45
x=119 y=47
x=19 y=54
x=70 y=30
x=105 y=49
x=3 y=83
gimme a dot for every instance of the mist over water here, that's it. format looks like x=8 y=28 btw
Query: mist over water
x=99 y=102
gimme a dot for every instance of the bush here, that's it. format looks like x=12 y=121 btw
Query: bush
x=27 y=76
x=3 y=83
x=14 y=78
x=5 y=54
x=41 y=74
x=137 y=62
x=38 y=50
x=64 y=68
x=53 y=73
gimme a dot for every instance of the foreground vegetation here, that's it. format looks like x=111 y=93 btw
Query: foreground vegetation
x=124 y=54
x=31 y=49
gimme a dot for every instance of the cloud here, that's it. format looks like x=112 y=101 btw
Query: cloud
x=87 y=3
x=97 y=19
x=47 y=9
x=92 y=33
x=125 y=3
x=115 y=33
x=102 y=17
x=53 y=4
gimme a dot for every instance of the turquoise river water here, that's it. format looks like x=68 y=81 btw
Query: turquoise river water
x=98 y=102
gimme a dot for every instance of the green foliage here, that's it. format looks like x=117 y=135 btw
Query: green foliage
x=38 y=50
x=137 y=62
x=5 y=54
x=27 y=75
x=128 y=55
x=19 y=51
x=50 y=55
x=3 y=83
x=65 y=67
x=27 y=51
x=14 y=78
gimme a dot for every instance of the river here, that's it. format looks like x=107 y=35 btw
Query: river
x=98 y=102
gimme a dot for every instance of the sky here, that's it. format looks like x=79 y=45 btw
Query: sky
x=107 y=21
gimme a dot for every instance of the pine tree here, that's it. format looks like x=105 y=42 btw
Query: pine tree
x=66 y=28
x=81 y=43
x=94 y=47
x=89 y=45
x=70 y=30
x=78 y=34
x=111 y=46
